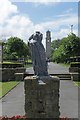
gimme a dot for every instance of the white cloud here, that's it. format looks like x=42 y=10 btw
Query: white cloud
x=12 y=23
x=6 y=9
x=57 y=24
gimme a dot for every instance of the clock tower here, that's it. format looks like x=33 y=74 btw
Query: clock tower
x=48 y=44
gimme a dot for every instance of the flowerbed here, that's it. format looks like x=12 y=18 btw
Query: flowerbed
x=18 y=117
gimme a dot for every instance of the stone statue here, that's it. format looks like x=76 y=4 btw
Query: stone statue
x=38 y=54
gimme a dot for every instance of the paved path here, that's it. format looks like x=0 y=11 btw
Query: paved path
x=68 y=99
x=53 y=69
x=13 y=102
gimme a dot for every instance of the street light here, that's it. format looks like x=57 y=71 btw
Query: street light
x=2 y=43
x=71 y=28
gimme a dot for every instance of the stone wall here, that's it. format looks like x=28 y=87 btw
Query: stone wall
x=74 y=70
x=8 y=74
x=41 y=97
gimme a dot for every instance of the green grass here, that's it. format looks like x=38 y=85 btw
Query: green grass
x=5 y=87
x=28 y=65
x=29 y=60
x=0 y=89
x=77 y=83
x=65 y=64
x=7 y=62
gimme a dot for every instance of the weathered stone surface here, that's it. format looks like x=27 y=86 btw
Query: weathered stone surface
x=9 y=73
x=75 y=76
x=19 y=76
x=75 y=73
x=38 y=54
x=42 y=97
x=74 y=69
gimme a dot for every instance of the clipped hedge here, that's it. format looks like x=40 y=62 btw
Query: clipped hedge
x=74 y=70
x=9 y=69
x=75 y=64
x=74 y=59
x=8 y=74
x=11 y=65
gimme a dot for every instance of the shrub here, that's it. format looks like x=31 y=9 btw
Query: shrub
x=11 y=65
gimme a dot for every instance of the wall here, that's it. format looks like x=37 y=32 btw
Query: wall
x=8 y=74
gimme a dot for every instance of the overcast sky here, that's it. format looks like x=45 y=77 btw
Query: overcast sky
x=21 y=19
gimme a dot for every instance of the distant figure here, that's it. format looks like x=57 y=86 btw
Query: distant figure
x=38 y=54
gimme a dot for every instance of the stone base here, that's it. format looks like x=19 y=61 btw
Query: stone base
x=41 y=97
x=8 y=74
x=74 y=69
x=75 y=76
x=19 y=76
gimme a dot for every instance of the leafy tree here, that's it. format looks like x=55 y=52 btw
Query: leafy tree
x=59 y=54
x=73 y=45
x=69 y=47
x=56 y=43
x=15 y=48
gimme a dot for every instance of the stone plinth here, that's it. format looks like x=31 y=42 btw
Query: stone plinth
x=75 y=73
x=75 y=76
x=19 y=76
x=41 y=97
x=9 y=74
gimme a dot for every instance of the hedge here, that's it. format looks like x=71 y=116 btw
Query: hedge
x=11 y=65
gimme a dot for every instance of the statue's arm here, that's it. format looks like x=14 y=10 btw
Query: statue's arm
x=31 y=37
x=41 y=36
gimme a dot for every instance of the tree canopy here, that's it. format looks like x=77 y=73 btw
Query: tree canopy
x=66 y=47
x=15 y=48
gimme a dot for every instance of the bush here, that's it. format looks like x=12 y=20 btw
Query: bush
x=8 y=74
x=11 y=65
x=75 y=64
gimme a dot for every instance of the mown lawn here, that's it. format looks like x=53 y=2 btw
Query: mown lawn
x=0 y=89
x=5 y=87
x=65 y=64
x=28 y=65
x=77 y=83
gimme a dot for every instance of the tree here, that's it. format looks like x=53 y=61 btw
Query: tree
x=15 y=48
x=69 y=47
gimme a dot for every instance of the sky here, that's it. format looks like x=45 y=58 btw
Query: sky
x=22 y=18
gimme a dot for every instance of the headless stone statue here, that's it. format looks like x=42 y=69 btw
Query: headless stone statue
x=38 y=54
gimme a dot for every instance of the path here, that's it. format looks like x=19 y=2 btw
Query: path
x=52 y=69
x=13 y=102
x=68 y=99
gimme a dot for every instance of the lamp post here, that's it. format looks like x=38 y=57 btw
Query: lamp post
x=71 y=28
x=1 y=52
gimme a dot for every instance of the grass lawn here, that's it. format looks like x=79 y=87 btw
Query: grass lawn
x=5 y=87
x=15 y=62
x=77 y=83
x=65 y=64
x=28 y=65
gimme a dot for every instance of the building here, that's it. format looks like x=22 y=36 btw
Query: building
x=48 y=44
